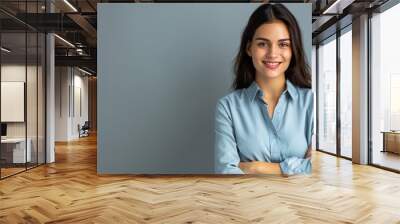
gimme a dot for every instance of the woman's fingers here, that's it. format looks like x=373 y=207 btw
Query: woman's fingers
x=244 y=167
x=308 y=153
x=248 y=167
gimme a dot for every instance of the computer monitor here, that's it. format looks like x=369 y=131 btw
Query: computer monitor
x=3 y=129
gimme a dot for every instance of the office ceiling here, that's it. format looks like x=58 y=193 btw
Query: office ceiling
x=76 y=22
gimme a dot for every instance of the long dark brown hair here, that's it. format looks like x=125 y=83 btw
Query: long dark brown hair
x=298 y=71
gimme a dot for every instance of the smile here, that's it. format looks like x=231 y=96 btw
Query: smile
x=271 y=65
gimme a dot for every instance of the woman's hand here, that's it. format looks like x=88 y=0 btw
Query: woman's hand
x=249 y=167
x=308 y=153
x=258 y=167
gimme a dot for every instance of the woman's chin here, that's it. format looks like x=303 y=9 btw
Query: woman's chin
x=272 y=75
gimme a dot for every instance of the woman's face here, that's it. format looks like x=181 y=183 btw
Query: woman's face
x=270 y=50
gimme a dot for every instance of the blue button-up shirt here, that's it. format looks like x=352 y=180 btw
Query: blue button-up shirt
x=244 y=132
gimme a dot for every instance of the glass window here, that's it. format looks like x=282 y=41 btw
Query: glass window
x=22 y=91
x=314 y=82
x=31 y=101
x=346 y=93
x=327 y=96
x=385 y=89
x=41 y=97
x=14 y=150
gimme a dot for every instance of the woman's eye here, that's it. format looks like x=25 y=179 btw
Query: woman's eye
x=261 y=44
x=284 y=45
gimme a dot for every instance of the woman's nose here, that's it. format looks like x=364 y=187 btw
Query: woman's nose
x=273 y=51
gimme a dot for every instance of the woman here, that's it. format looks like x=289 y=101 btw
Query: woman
x=265 y=126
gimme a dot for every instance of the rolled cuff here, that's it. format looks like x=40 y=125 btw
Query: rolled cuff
x=293 y=165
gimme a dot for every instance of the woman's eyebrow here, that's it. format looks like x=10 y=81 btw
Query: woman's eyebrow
x=261 y=38
x=265 y=39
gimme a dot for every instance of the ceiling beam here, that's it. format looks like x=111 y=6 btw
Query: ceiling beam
x=85 y=61
x=86 y=26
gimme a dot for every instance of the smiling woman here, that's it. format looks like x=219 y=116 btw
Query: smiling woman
x=265 y=125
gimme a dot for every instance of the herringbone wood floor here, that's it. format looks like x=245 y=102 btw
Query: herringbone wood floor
x=70 y=191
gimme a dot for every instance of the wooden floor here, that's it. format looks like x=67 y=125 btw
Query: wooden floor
x=9 y=171
x=70 y=191
x=5 y=172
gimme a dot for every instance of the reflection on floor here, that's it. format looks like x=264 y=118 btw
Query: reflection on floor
x=10 y=169
x=347 y=152
x=386 y=159
x=71 y=191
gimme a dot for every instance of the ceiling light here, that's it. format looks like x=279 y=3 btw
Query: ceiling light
x=65 y=41
x=84 y=71
x=338 y=6
x=70 y=5
x=5 y=50
x=331 y=7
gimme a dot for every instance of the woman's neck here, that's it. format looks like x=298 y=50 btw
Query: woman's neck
x=272 y=88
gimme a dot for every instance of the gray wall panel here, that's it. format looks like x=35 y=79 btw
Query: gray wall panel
x=161 y=70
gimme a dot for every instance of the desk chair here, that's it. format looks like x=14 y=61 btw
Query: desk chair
x=84 y=130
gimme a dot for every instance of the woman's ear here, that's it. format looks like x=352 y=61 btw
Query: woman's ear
x=248 y=46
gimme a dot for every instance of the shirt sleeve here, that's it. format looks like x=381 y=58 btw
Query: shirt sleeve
x=226 y=154
x=294 y=165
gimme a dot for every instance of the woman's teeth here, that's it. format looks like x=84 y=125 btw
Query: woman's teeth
x=271 y=65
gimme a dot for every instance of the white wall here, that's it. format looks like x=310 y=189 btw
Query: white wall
x=80 y=110
x=16 y=73
x=70 y=84
x=62 y=80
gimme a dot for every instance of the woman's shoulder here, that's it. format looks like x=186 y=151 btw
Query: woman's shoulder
x=305 y=93
x=234 y=97
x=305 y=97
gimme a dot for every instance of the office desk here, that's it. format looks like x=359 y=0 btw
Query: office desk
x=15 y=148
x=391 y=141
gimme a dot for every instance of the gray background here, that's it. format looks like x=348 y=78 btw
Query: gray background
x=161 y=70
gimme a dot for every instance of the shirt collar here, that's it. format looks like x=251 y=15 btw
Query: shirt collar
x=254 y=89
x=291 y=89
